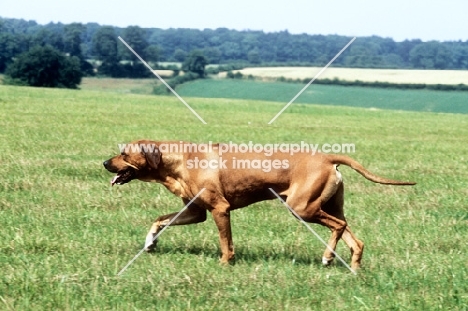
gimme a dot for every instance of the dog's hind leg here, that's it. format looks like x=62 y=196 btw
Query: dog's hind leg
x=192 y=215
x=323 y=206
x=337 y=227
x=334 y=207
x=314 y=214
x=356 y=246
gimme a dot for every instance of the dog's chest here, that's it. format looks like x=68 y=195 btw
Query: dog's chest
x=175 y=186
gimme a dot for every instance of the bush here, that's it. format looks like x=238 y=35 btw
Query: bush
x=161 y=89
x=224 y=68
x=195 y=63
x=237 y=75
x=45 y=67
x=212 y=70
x=378 y=84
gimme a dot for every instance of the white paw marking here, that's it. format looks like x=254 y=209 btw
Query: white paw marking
x=326 y=261
x=149 y=241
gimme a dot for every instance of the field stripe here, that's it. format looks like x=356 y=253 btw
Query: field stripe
x=311 y=81
x=162 y=80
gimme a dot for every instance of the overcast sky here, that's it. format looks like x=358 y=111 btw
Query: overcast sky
x=398 y=19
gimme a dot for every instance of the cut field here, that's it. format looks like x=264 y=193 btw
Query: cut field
x=66 y=233
x=398 y=76
x=351 y=96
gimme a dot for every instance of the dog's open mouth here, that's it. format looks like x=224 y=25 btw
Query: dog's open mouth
x=123 y=177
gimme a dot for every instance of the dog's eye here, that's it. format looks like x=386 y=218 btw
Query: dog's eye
x=122 y=154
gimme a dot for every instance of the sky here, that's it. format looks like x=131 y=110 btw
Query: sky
x=397 y=19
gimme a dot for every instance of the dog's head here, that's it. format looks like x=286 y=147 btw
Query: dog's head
x=137 y=160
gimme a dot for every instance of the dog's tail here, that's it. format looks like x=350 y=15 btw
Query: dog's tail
x=341 y=159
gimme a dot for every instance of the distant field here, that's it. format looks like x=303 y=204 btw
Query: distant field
x=65 y=233
x=375 y=98
x=451 y=77
x=123 y=86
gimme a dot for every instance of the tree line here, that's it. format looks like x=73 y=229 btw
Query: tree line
x=97 y=47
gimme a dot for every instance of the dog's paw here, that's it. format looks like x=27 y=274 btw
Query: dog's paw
x=150 y=245
x=326 y=261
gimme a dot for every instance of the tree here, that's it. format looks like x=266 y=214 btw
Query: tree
x=45 y=67
x=135 y=37
x=231 y=50
x=195 y=62
x=223 y=46
x=213 y=55
x=404 y=48
x=105 y=49
x=254 y=56
x=180 y=55
x=47 y=37
x=72 y=40
x=431 y=55
x=9 y=47
x=364 y=54
x=393 y=61
x=460 y=57
x=153 y=53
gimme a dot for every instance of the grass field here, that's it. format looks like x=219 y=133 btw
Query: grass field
x=451 y=77
x=66 y=233
x=353 y=96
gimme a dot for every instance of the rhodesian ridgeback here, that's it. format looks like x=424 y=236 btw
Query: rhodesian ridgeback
x=309 y=183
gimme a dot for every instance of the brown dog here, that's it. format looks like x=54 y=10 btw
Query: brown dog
x=310 y=184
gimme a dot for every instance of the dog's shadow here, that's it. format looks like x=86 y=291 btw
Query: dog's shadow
x=243 y=255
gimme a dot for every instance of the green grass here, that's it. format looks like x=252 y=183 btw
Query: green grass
x=353 y=96
x=65 y=233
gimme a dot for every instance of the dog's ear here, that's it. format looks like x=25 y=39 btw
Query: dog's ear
x=153 y=157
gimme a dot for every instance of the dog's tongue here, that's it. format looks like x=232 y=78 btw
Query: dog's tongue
x=114 y=180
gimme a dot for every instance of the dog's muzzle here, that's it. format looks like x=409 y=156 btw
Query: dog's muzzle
x=122 y=177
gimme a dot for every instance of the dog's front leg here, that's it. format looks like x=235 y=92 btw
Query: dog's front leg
x=150 y=242
x=193 y=214
x=223 y=222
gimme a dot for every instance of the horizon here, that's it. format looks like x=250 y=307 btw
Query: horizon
x=399 y=20
x=230 y=29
